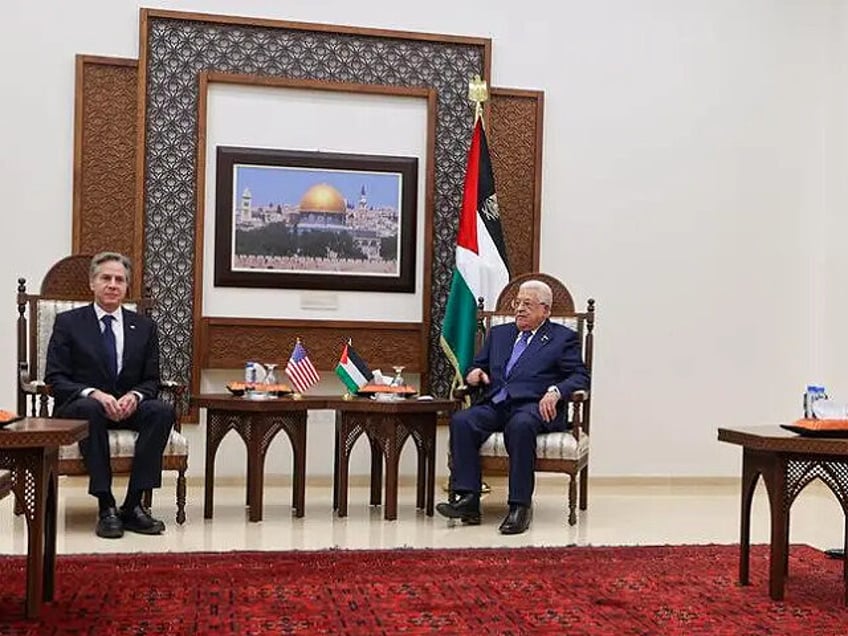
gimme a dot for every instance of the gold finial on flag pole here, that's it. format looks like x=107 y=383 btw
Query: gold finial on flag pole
x=478 y=92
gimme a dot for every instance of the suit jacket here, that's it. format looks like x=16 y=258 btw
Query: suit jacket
x=552 y=358
x=76 y=360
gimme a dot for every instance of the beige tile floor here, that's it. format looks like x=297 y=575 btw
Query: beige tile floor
x=621 y=512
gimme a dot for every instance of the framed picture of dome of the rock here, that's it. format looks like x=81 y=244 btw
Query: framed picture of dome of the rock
x=315 y=220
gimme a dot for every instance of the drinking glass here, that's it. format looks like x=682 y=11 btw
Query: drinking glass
x=398 y=379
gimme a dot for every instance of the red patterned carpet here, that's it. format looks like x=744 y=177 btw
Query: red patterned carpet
x=613 y=590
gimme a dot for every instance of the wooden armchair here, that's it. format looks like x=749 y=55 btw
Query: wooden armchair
x=65 y=287
x=562 y=452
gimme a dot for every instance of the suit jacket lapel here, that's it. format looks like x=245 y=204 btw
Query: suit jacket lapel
x=130 y=336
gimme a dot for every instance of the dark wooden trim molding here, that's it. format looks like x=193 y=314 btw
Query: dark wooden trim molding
x=215 y=18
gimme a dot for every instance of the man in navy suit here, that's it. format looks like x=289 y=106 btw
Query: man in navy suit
x=525 y=369
x=103 y=366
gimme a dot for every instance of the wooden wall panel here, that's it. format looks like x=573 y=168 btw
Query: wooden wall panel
x=227 y=343
x=514 y=130
x=105 y=132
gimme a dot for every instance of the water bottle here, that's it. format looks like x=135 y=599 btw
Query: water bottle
x=249 y=372
x=814 y=392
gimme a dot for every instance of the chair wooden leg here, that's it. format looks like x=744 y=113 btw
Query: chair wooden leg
x=584 y=488
x=181 y=497
x=572 y=500
x=19 y=503
x=147 y=499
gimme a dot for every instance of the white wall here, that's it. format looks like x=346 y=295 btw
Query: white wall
x=260 y=117
x=695 y=155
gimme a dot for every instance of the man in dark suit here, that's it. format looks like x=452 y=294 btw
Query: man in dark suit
x=103 y=366
x=525 y=368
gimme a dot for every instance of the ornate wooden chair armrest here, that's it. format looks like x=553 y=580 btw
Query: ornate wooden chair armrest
x=37 y=392
x=578 y=399
x=580 y=396
x=467 y=395
x=462 y=391
x=174 y=393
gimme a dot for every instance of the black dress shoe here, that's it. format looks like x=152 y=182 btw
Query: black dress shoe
x=517 y=520
x=140 y=520
x=465 y=507
x=109 y=524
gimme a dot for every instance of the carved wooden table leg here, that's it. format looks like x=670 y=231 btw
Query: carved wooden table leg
x=376 y=472
x=50 y=521
x=392 y=437
x=348 y=431
x=257 y=424
x=336 y=450
x=258 y=431
x=218 y=423
x=423 y=431
x=775 y=477
x=294 y=424
x=749 y=482
x=30 y=480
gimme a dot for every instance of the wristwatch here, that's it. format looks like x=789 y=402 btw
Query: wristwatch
x=554 y=389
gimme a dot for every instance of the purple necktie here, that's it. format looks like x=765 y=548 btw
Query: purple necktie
x=518 y=348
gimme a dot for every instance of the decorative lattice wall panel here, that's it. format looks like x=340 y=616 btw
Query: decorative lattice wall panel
x=175 y=49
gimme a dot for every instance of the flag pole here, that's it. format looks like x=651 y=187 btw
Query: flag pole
x=347 y=394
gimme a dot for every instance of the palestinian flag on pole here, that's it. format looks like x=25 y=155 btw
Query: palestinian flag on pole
x=352 y=370
x=482 y=268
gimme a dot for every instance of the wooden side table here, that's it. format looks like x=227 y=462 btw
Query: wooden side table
x=29 y=448
x=388 y=425
x=787 y=463
x=257 y=422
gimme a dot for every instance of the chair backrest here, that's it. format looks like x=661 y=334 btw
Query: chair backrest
x=562 y=312
x=65 y=287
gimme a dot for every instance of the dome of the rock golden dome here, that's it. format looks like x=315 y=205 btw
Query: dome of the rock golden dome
x=322 y=198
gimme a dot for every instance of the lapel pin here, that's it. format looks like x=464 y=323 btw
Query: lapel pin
x=545 y=337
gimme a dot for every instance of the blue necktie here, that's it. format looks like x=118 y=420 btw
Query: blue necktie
x=518 y=348
x=110 y=347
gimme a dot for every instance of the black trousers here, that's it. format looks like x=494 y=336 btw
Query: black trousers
x=520 y=423
x=152 y=420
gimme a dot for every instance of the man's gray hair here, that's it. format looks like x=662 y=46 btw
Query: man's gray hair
x=105 y=257
x=542 y=289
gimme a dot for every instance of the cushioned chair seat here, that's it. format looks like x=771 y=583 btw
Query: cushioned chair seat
x=122 y=444
x=548 y=446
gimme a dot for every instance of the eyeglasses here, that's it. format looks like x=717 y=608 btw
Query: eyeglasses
x=525 y=302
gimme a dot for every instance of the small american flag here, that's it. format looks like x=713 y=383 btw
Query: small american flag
x=300 y=370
